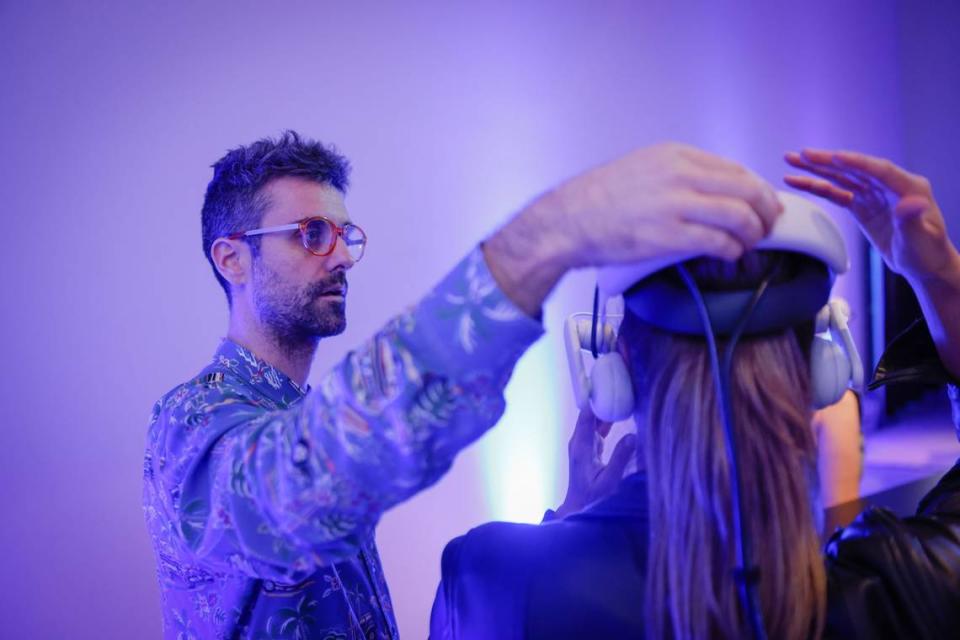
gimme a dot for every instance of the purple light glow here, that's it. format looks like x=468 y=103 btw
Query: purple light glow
x=452 y=116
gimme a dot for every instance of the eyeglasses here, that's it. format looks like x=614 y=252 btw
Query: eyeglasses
x=319 y=236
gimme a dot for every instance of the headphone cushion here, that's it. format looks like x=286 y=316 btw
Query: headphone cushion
x=830 y=372
x=611 y=389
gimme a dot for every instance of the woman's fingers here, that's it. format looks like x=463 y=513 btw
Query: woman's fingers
x=822 y=188
x=899 y=181
x=848 y=179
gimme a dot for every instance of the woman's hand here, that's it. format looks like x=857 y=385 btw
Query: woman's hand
x=589 y=478
x=900 y=217
x=896 y=209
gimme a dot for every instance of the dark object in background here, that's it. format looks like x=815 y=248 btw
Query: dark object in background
x=901 y=309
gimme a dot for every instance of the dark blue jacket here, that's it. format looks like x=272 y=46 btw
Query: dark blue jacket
x=581 y=577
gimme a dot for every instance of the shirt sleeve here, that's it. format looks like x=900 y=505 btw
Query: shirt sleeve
x=275 y=494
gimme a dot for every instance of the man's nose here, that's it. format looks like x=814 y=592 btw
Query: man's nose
x=340 y=256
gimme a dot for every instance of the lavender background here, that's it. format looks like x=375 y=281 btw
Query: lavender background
x=454 y=116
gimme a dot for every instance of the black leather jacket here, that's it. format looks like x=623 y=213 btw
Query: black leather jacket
x=891 y=577
x=583 y=577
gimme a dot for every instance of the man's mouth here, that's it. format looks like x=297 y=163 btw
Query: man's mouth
x=334 y=291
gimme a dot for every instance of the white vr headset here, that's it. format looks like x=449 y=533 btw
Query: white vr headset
x=802 y=228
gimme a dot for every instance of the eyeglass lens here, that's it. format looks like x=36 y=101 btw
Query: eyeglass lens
x=320 y=237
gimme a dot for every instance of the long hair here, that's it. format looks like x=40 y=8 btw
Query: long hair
x=690 y=588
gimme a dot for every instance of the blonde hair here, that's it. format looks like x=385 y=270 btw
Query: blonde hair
x=690 y=587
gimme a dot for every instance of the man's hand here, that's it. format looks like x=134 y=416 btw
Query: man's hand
x=589 y=478
x=663 y=201
x=900 y=217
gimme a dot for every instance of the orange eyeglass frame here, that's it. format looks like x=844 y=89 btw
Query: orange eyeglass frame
x=301 y=226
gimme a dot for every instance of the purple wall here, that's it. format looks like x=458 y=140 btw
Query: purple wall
x=453 y=117
x=929 y=66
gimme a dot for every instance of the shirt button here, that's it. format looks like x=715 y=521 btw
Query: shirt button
x=300 y=452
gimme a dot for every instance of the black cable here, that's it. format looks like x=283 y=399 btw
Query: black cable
x=593 y=327
x=746 y=577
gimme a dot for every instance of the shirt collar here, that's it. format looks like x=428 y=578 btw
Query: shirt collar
x=264 y=377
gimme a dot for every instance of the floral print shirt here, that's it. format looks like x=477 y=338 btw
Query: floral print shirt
x=261 y=498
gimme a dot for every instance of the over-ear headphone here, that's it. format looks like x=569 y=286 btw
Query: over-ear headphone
x=607 y=389
x=833 y=369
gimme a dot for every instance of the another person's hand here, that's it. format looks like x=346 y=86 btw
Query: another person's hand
x=900 y=217
x=896 y=209
x=660 y=202
x=589 y=478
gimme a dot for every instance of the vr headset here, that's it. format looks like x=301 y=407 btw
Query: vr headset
x=803 y=228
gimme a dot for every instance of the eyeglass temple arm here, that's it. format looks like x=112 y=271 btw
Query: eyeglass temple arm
x=260 y=232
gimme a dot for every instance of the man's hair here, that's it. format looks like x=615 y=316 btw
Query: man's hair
x=235 y=200
x=690 y=588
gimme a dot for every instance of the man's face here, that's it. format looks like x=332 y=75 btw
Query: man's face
x=299 y=296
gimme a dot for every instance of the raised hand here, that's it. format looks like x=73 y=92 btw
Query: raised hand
x=899 y=215
x=896 y=209
x=666 y=201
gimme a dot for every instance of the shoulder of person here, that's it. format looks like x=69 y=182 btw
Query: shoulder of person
x=898 y=577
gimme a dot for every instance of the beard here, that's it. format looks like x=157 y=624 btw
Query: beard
x=297 y=316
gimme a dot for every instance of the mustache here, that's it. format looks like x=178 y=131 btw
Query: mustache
x=335 y=281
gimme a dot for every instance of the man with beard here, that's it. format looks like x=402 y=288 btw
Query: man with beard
x=262 y=495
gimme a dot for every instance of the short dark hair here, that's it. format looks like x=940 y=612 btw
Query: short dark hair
x=234 y=200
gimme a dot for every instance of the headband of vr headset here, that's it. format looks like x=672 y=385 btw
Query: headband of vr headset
x=803 y=228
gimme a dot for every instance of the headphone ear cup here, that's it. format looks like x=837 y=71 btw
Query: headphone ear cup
x=830 y=372
x=611 y=390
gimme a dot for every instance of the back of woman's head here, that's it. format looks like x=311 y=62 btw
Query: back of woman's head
x=691 y=591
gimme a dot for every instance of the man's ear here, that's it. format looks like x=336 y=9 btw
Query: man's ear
x=232 y=259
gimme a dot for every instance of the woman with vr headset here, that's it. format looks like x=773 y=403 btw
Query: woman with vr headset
x=658 y=558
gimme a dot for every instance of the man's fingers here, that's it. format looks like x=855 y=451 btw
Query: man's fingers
x=711 y=161
x=730 y=214
x=699 y=239
x=821 y=188
x=744 y=186
x=765 y=200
